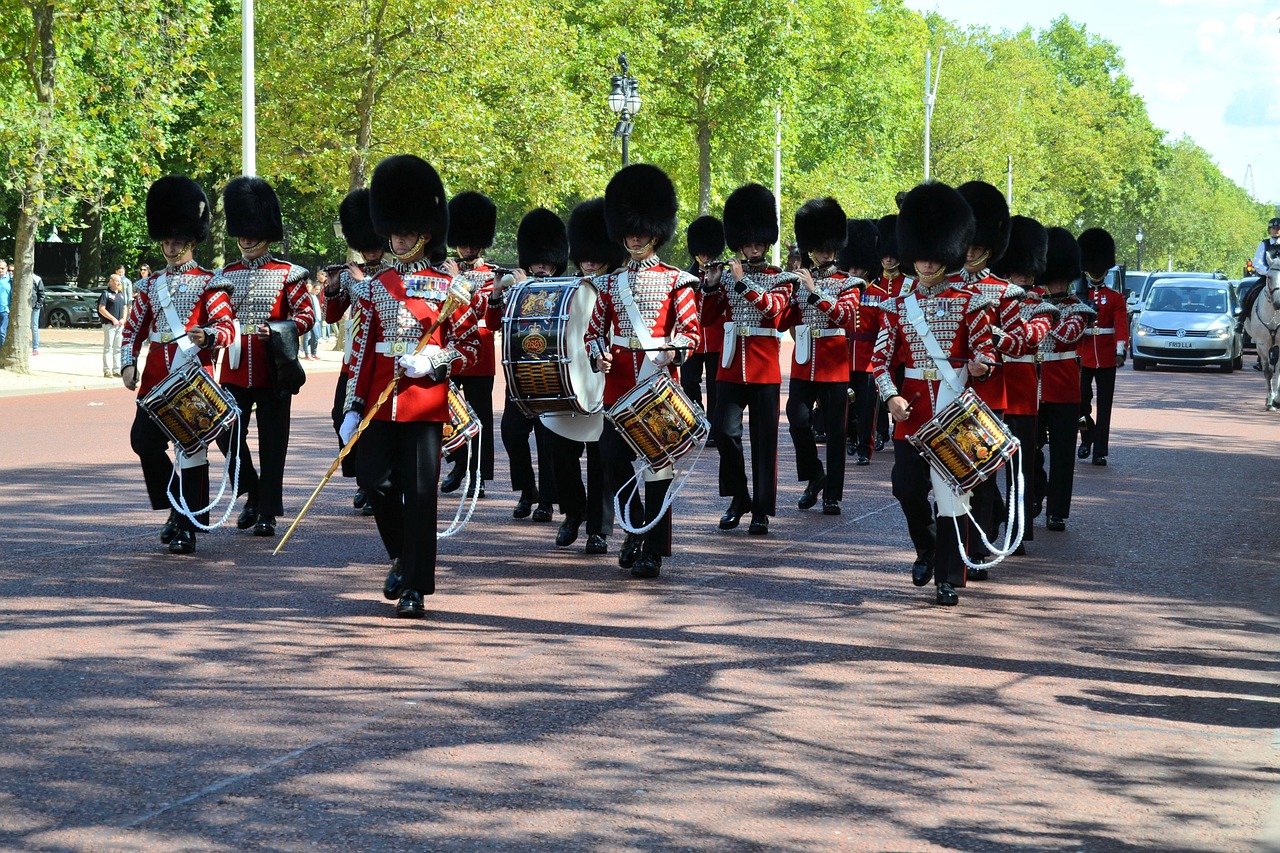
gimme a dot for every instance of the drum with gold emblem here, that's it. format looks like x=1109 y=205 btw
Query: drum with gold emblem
x=190 y=407
x=463 y=424
x=544 y=355
x=965 y=442
x=659 y=421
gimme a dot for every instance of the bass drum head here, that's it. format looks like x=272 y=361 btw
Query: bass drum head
x=586 y=384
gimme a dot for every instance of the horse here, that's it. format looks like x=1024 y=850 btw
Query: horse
x=1262 y=322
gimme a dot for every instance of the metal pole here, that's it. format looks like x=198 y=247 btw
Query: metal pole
x=777 y=182
x=626 y=138
x=1008 y=195
x=928 y=108
x=249 y=129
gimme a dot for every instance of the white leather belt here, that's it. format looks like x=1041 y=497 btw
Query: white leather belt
x=1099 y=331
x=249 y=328
x=394 y=348
x=755 y=331
x=1022 y=359
x=828 y=333
x=634 y=343
x=929 y=373
x=162 y=337
x=1055 y=356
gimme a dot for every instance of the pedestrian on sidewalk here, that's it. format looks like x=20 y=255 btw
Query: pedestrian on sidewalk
x=112 y=308
x=311 y=343
x=6 y=290
x=37 y=307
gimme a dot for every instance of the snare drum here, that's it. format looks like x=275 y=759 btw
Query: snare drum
x=462 y=426
x=659 y=421
x=190 y=407
x=544 y=355
x=965 y=442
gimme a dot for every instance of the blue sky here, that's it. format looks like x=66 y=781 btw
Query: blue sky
x=1206 y=68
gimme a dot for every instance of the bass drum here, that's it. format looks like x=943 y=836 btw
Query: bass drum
x=544 y=356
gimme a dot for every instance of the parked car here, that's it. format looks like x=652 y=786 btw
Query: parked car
x=66 y=306
x=1189 y=321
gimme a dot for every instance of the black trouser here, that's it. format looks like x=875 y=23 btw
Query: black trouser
x=934 y=538
x=592 y=503
x=515 y=438
x=989 y=511
x=862 y=411
x=691 y=377
x=478 y=391
x=399 y=470
x=1058 y=422
x=617 y=456
x=151 y=444
x=726 y=428
x=265 y=490
x=834 y=397
x=1100 y=435
x=340 y=400
x=1024 y=429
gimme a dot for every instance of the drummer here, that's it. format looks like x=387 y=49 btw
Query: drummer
x=935 y=228
x=595 y=255
x=542 y=249
x=178 y=217
x=640 y=214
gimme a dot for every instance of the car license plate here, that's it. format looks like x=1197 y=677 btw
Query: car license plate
x=1180 y=344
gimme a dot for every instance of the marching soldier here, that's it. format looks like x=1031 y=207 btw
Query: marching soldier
x=1103 y=340
x=822 y=313
x=542 y=247
x=183 y=312
x=595 y=255
x=1060 y=373
x=940 y=331
x=1022 y=263
x=861 y=259
x=645 y=319
x=705 y=238
x=348 y=290
x=751 y=301
x=264 y=290
x=473 y=220
x=893 y=281
x=398 y=465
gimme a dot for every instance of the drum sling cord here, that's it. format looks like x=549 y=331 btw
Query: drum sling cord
x=470 y=496
x=641 y=332
x=954 y=383
x=185 y=353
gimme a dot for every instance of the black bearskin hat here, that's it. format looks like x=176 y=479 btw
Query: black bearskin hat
x=1097 y=251
x=934 y=224
x=750 y=216
x=821 y=226
x=705 y=236
x=1026 y=253
x=640 y=199
x=177 y=208
x=473 y=219
x=406 y=196
x=888 y=228
x=862 y=251
x=991 y=214
x=1062 y=262
x=357 y=226
x=253 y=210
x=589 y=236
x=541 y=238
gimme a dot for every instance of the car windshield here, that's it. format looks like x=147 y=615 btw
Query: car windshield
x=1189 y=300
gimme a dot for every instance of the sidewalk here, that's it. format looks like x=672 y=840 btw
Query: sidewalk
x=71 y=360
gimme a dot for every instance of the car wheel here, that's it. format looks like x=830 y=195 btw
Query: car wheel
x=1227 y=366
x=1140 y=363
x=59 y=319
x=1238 y=362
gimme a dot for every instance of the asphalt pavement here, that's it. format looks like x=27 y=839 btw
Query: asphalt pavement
x=1115 y=689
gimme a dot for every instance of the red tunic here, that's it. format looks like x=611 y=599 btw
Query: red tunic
x=665 y=300
x=481 y=276
x=862 y=342
x=350 y=292
x=712 y=340
x=392 y=328
x=757 y=312
x=1106 y=334
x=895 y=284
x=199 y=300
x=960 y=321
x=263 y=290
x=1019 y=348
x=830 y=314
x=1059 y=367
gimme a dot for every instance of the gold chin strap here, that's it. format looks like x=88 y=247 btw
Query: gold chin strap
x=417 y=247
x=1096 y=281
x=980 y=262
x=185 y=248
x=636 y=253
x=893 y=270
x=931 y=279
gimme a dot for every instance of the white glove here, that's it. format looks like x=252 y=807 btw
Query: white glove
x=663 y=357
x=350 y=421
x=415 y=366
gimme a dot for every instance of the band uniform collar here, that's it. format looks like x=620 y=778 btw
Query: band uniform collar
x=258 y=262
x=185 y=267
x=634 y=267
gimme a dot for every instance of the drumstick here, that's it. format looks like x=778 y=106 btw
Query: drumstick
x=446 y=310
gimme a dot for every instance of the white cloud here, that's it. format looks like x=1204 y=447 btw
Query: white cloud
x=1209 y=34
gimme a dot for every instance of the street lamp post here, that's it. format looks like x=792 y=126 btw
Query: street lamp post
x=1138 y=237
x=930 y=98
x=624 y=100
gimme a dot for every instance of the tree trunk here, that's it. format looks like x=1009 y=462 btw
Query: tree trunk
x=16 y=355
x=91 y=246
x=218 y=232
x=704 y=166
